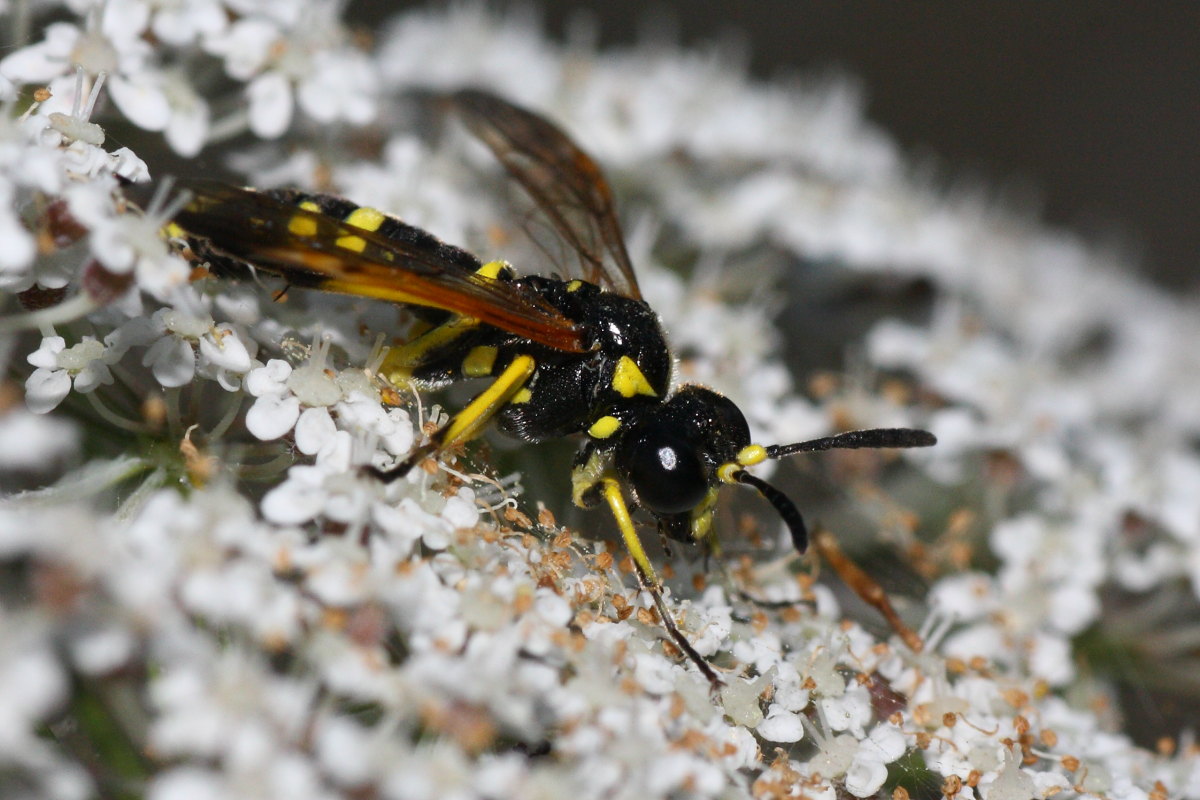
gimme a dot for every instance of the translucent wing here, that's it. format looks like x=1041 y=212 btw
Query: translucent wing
x=564 y=181
x=392 y=261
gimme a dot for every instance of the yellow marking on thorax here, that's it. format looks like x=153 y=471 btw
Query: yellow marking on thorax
x=604 y=427
x=628 y=379
x=479 y=361
x=573 y=286
x=522 y=396
x=301 y=225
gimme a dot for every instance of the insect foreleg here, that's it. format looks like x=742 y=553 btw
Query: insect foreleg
x=649 y=580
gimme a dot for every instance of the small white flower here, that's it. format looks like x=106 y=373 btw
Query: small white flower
x=276 y=410
x=42 y=62
x=181 y=24
x=781 y=725
x=1011 y=783
x=82 y=365
x=17 y=246
x=340 y=86
x=130 y=243
x=315 y=430
x=270 y=97
x=865 y=775
x=272 y=416
x=226 y=353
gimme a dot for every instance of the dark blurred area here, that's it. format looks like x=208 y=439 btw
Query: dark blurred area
x=1091 y=108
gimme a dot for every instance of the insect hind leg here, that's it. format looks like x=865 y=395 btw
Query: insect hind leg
x=470 y=421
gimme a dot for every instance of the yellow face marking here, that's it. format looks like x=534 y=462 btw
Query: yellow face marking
x=369 y=219
x=479 y=361
x=752 y=454
x=491 y=269
x=355 y=243
x=628 y=379
x=604 y=427
x=522 y=396
x=573 y=286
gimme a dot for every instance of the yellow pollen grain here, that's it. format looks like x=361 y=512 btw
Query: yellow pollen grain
x=604 y=427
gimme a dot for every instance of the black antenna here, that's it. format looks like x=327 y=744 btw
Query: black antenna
x=853 y=440
x=785 y=507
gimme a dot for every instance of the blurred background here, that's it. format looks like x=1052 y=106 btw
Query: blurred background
x=1089 y=110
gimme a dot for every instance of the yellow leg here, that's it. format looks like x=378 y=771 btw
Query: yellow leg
x=633 y=542
x=616 y=502
x=470 y=422
x=472 y=419
x=400 y=361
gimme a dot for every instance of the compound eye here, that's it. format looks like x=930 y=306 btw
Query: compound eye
x=664 y=470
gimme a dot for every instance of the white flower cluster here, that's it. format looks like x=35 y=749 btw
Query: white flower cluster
x=215 y=600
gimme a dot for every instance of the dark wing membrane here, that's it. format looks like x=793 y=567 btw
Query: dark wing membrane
x=313 y=249
x=564 y=181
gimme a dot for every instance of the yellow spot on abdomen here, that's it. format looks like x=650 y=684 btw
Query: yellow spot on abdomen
x=628 y=379
x=479 y=361
x=355 y=243
x=491 y=269
x=604 y=427
x=369 y=219
x=301 y=225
